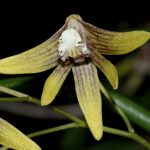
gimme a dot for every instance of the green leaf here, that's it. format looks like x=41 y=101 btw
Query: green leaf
x=135 y=113
x=16 y=82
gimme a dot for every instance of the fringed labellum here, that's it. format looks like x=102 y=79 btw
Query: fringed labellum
x=70 y=46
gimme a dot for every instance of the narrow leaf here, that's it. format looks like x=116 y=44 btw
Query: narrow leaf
x=136 y=113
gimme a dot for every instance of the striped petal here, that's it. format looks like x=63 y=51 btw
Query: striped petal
x=13 y=138
x=54 y=83
x=114 y=43
x=107 y=68
x=87 y=89
x=37 y=59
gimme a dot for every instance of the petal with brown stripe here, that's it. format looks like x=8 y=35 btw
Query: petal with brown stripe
x=88 y=93
x=114 y=43
x=54 y=83
x=107 y=68
x=37 y=59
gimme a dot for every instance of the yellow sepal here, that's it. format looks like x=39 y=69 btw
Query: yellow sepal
x=113 y=43
x=11 y=137
x=54 y=83
x=107 y=68
x=38 y=59
x=88 y=93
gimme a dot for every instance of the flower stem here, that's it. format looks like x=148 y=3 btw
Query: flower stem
x=36 y=101
x=4 y=148
x=139 y=139
x=46 y=131
x=12 y=92
x=104 y=91
x=78 y=122
x=24 y=97
x=133 y=136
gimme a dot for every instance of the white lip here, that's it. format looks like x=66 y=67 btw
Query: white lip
x=70 y=46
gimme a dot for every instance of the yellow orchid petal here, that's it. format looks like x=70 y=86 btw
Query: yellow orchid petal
x=107 y=68
x=54 y=83
x=37 y=59
x=13 y=138
x=114 y=43
x=88 y=93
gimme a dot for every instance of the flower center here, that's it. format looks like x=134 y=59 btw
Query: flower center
x=70 y=46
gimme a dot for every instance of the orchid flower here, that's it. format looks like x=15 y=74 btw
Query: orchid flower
x=13 y=138
x=77 y=45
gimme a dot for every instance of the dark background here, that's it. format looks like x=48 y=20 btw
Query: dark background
x=25 y=25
